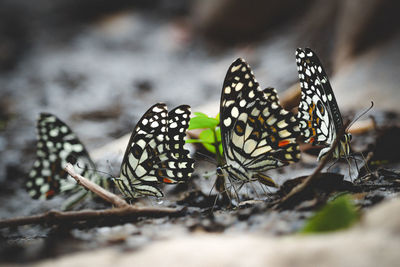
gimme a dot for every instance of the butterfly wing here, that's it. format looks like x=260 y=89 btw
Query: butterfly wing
x=257 y=134
x=316 y=66
x=179 y=166
x=153 y=155
x=56 y=145
x=315 y=116
x=137 y=176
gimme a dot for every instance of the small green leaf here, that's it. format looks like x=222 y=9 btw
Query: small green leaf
x=218 y=133
x=197 y=141
x=208 y=136
x=201 y=122
x=217 y=117
x=338 y=214
x=209 y=147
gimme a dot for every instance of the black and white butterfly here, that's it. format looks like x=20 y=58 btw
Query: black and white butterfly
x=156 y=153
x=257 y=133
x=56 y=146
x=319 y=116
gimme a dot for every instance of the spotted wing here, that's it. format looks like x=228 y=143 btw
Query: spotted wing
x=149 y=160
x=56 y=145
x=319 y=116
x=257 y=133
x=179 y=166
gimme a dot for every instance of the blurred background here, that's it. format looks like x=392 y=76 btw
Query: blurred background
x=98 y=65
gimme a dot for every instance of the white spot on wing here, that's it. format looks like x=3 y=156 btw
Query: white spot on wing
x=227 y=122
x=235 y=112
x=239 y=86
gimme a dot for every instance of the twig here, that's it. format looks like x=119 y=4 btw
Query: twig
x=361 y=127
x=288 y=199
x=98 y=190
x=291 y=97
x=128 y=213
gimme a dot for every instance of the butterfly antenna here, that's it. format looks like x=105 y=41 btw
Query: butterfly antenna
x=94 y=170
x=110 y=166
x=359 y=116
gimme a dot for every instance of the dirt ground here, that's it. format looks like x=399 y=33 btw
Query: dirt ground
x=101 y=72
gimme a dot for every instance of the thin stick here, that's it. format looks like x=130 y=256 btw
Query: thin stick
x=285 y=201
x=98 y=190
x=127 y=213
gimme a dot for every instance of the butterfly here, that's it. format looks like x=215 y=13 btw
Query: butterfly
x=319 y=116
x=56 y=146
x=156 y=153
x=257 y=133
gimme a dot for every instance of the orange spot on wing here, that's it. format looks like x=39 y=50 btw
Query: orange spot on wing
x=167 y=180
x=312 y=140
x=50 y=193
x=311 y=110
x=283 y=143
x=260 y=119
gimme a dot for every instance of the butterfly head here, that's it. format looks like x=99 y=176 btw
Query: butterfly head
x=342 y=150
x=220 y=171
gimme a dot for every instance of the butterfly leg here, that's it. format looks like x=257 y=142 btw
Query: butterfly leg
x=333 y=163
x=349 y=164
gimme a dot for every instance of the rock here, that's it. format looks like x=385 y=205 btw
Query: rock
x=373 y=242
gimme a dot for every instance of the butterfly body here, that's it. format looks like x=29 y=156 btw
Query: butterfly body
x=319 y=116
x=257 y=133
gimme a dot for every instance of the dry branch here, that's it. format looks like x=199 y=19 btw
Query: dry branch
x=98 y=190
x=125 y=214
x=291 y=97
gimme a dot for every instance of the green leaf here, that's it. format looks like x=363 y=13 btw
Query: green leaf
x=218 y=133
x=217 y=117
x=338 y=214
x=201 y=122
x=196 y=141
x=209 y=147
x=208 y=136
